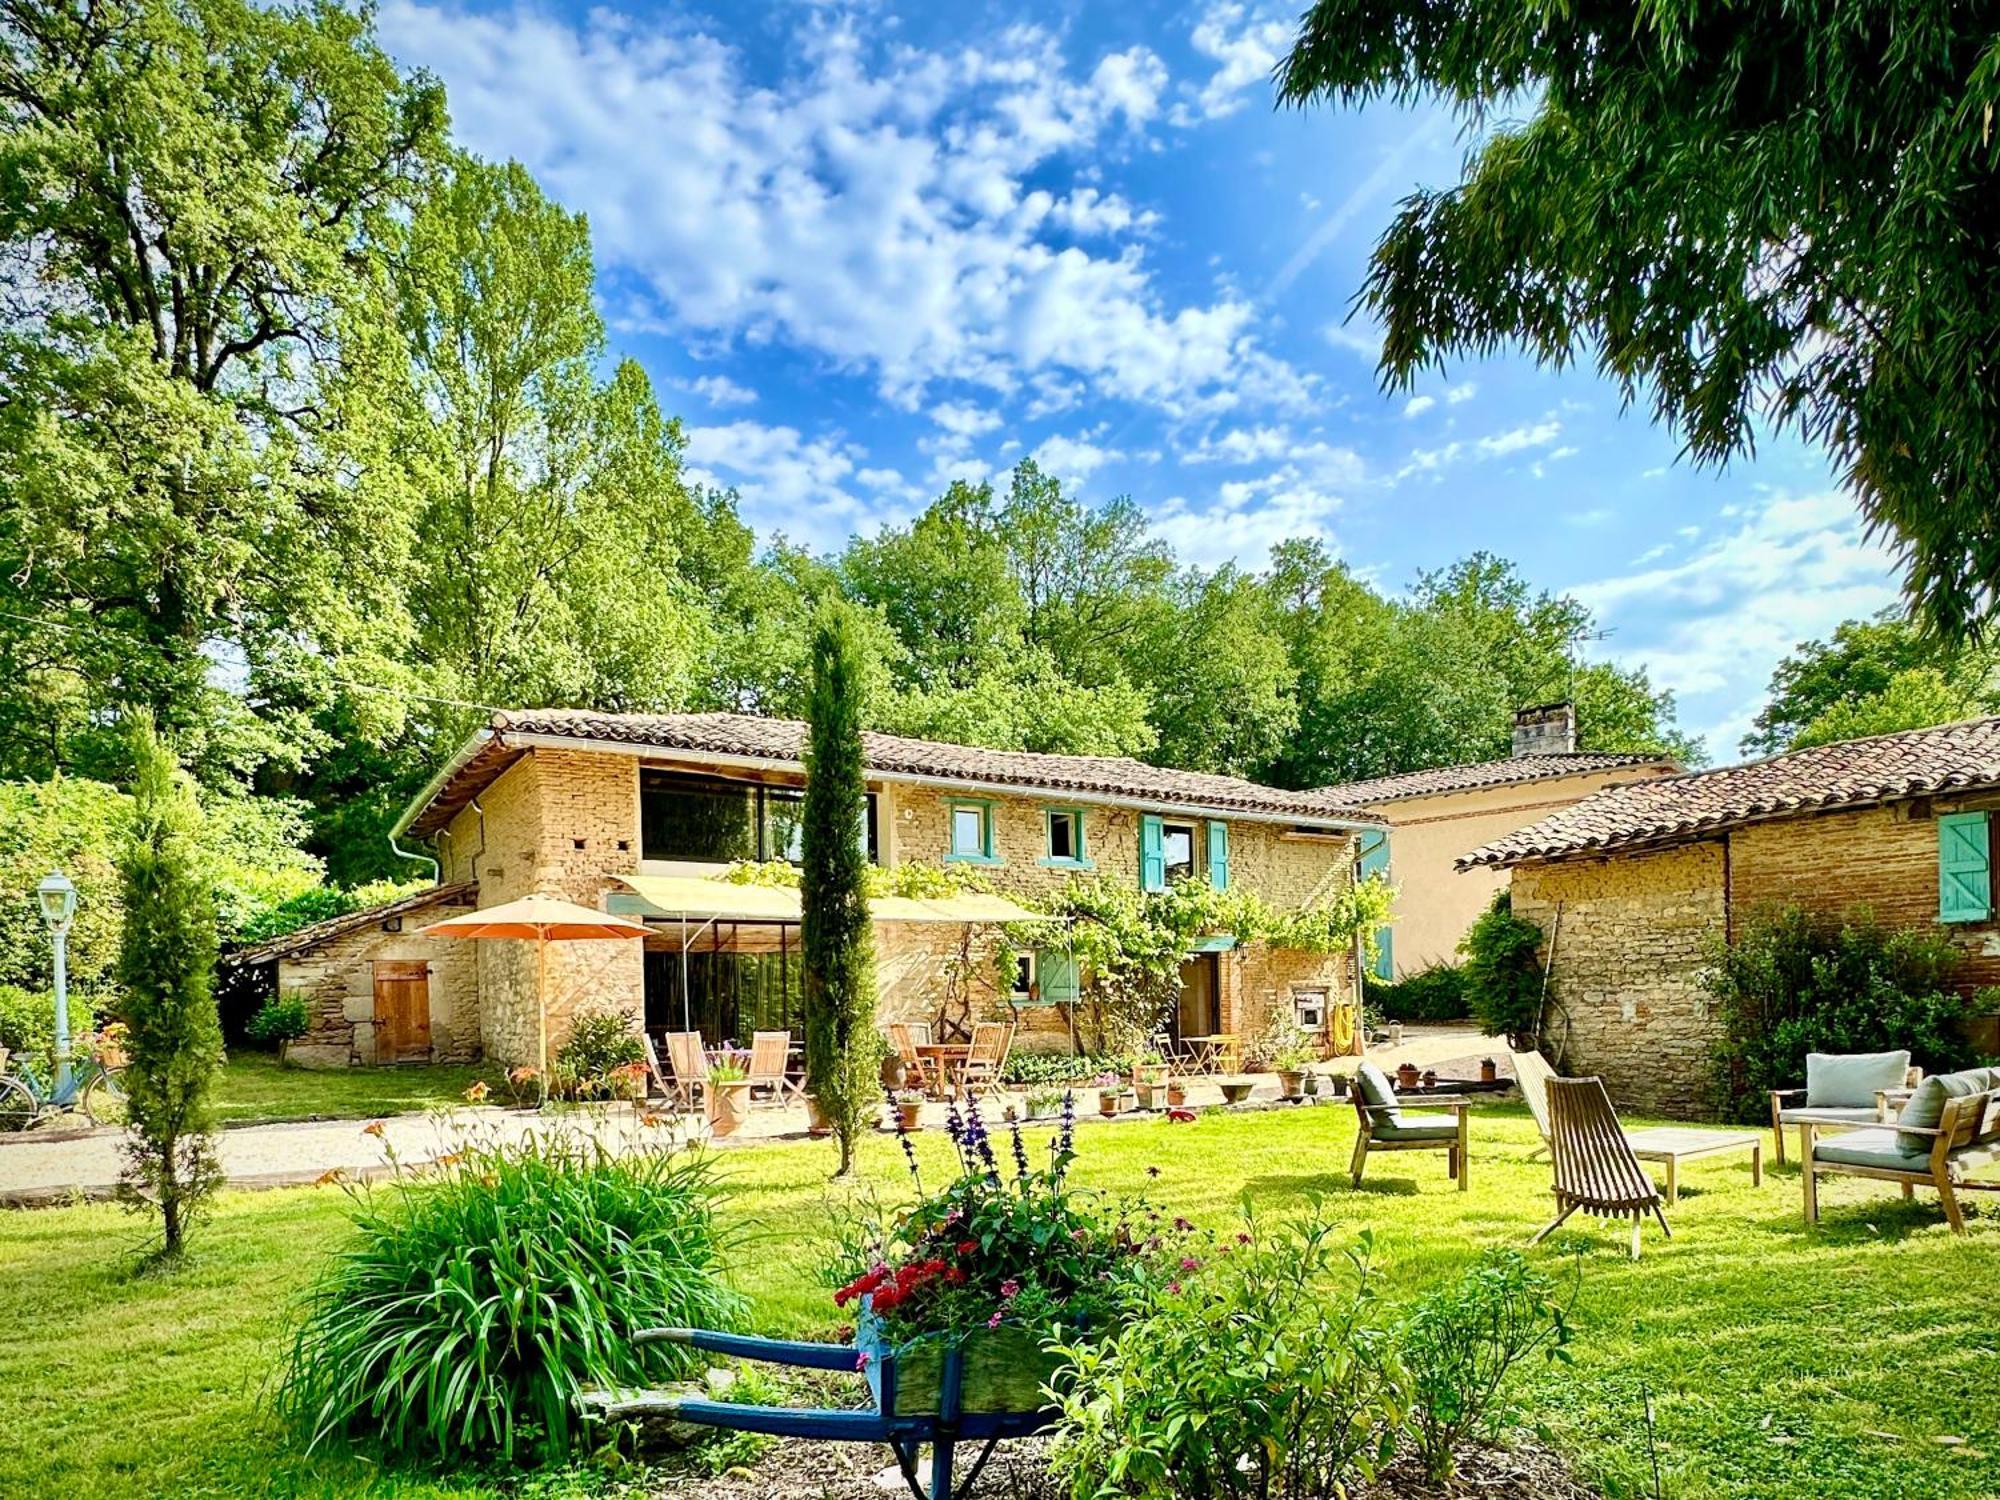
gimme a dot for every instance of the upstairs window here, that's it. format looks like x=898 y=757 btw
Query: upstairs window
x=1177 y=849
x=1065 y=845
x=709 y=820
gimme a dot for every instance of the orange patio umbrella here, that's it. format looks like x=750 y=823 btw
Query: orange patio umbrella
x=542 y=920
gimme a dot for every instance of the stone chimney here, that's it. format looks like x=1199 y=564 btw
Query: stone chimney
x=1547 y=729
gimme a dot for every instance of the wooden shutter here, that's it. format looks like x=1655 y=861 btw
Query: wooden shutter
x=1375 y=861
x=1152 y=854
x=1057 y=976
x=1218 y=855
x=1965 y=868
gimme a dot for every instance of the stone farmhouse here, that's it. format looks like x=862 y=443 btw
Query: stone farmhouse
x=638 y=813
x=1436 y=815
x=1630 y=884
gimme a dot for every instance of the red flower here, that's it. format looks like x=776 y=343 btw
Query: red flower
x=966 y=1247
x=955 y=1276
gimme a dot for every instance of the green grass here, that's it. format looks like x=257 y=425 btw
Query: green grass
x=1781 y=1364
x=253 y=1087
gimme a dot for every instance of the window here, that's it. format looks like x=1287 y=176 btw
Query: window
x=1177 y=850
x=708 y=820
x=972 y=833
x=1065 y=838
x=1024 y=978
x=1309 y=1008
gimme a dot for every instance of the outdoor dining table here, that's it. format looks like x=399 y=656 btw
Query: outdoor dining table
x=943 y=1061
x=1212 y=1054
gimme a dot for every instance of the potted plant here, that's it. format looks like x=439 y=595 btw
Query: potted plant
x=989 y=1265
x=1113 y=1094
x=1176 y=1093
x=817 y=1123
x=1311 y=1084
x=1044 y=1102
x=1291 y=1063
x=727 y=1096
x=1489 y=1070
x=909 y=1107
x=1235 y=1090
x=1150 y=1095
x=1149 y=1070
x=1407 y=1076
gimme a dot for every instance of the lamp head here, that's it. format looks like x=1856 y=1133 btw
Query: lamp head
x=57 y=895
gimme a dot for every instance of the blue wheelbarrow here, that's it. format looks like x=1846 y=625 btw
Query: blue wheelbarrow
x=920 y=1396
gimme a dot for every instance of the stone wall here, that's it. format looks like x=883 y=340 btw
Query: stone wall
x=337 y=981
x=1628 y=956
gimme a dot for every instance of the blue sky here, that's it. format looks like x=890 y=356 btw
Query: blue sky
x=864 y=250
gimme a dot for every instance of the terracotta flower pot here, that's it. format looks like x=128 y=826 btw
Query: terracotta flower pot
x=1407 y=1076
x=1291 y=1082
x=910 y=1116
x=1148 y=1093
x=1176 y=1095
x=816 y=1120
x=1489 y=1070
x=728 y=1103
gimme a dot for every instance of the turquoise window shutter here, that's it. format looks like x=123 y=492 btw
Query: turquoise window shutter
x=1218 y=855
x=1056 y=971
x=1965 y=868
x=1152 y=854
x=1375 y=861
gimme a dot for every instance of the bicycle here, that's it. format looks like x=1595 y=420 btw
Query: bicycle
x=96 y=1087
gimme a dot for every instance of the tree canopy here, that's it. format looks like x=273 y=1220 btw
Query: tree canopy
x=1772 y=211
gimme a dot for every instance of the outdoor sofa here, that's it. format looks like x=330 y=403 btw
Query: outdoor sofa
x=1844 y=1090
x=1949 y=1129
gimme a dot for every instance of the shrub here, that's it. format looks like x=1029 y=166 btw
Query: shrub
x=1261 y=1374
x=280 y=1019
x=600 y=1044
x=1433 y=994
x=28 y=1025
x=1061 y=1067
x=1502 y=974
x=1460 y=1341
x=475 y=1301
x=1793 y=983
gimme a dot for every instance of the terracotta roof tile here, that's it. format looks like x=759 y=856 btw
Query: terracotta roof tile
x=1674 y=809
x=303 y=938
x=1482 y=774
x=783 y=740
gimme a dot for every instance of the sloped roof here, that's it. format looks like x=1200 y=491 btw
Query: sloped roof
x=1483 y=774
x=1675 y=809
x=320 y=933
x=781 y=743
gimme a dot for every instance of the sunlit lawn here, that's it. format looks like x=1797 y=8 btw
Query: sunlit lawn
x=1780 y=1363
x=254 y=1087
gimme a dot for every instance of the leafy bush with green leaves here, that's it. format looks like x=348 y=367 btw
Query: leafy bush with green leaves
x=1433 y=994
x=1459 y=1343
x=1061 y=1067
x=600 y=1044
x=1264 y=1371
x=280 y=1019
x=477 y=1298
x=1793 y=983
x=28 y=1025
x=1502 y=973
x=318 y=903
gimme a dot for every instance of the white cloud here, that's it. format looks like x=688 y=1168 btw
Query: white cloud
x=964 y=420
x=1539 y=435
x=797 y=482
x=1461 y=393
x=1073 y=460
x=720 y=390
x=1416 y=406
x=1363 y=339
x=1244 y=48
x=1715 y=623
x=882 y=206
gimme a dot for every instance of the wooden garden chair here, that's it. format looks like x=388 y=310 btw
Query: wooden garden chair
x=1844 y=1091
x=991 y=1042
x=1912 y=1154
x=1384 y=1125
x=690 y=1065
x=1531 y=1075
x=657 y=1081
x=1595 y=1169
x=906 y=1037
x=770 y=1063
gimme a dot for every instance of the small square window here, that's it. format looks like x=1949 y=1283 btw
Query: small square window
x=1309 y=1006
x=969 y=831
x=1062 y=835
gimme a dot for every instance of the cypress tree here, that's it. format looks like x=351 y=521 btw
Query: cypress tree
x=166 y=969
x=843 y=1049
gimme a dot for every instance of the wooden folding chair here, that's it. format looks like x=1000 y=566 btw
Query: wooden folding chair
x=657 y=1081
x=770 y=1059
x=690 y=1065
x=991 y=1042
x=903 y=1036
x=1595 y=1169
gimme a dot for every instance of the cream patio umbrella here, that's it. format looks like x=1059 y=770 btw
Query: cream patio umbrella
x=542 y=920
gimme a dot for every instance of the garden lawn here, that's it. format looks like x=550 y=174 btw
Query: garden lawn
x=1863 y=1359
x=252 y=1087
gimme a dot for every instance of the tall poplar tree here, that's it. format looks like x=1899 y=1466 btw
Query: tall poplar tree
x=843 y=1049
x=166 y=970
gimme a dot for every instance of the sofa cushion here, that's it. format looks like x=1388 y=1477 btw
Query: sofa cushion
x=1851 y=1080
x=1926 y=1106
x=1804 y=1116
x=1877 y=1147
x=1418 y=1125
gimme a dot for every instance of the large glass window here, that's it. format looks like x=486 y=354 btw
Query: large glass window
x=712 y=821
x=730 y=994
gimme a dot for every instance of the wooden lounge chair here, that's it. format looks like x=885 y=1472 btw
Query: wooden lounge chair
x=1845 y=1091
x=657 y=1081
x=906 y=1037
x=770 y=1059
x=1595 y=1169
x=690 y=1065
x=1382 y=1124
x=1531 y=1076
x=991 y=1042
x=1914 y=1152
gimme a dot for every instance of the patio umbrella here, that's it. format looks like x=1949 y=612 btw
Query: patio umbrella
x=542 y=920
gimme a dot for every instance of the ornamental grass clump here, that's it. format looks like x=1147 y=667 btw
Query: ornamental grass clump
x=480 y=1295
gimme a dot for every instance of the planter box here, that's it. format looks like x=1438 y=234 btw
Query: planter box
x=1003 y=1369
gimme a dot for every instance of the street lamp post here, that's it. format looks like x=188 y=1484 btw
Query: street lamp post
x=58 y=897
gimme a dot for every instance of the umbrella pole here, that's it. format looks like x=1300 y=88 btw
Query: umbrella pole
x=542 y=1013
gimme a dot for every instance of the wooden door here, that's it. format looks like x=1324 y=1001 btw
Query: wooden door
x=1198 y=1014
x=402 y=1011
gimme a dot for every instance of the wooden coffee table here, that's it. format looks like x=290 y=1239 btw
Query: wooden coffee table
x=1674 y=1144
